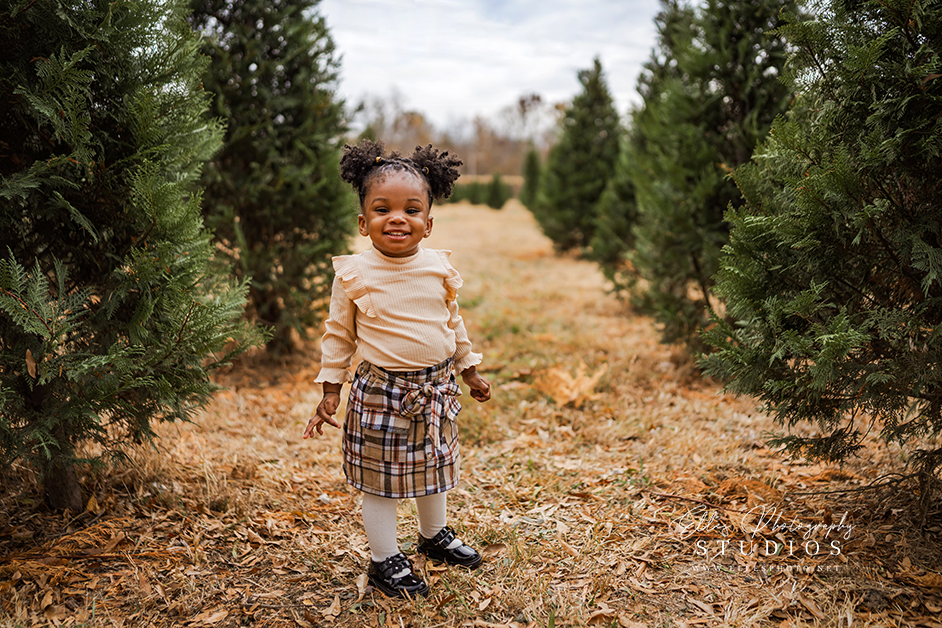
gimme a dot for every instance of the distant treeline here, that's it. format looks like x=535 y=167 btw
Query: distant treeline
x=493 y=191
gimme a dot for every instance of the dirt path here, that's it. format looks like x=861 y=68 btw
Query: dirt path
x=604 y=483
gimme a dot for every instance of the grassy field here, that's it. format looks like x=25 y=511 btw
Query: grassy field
x=605 y=483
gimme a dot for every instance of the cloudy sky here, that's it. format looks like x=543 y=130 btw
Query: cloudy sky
x=454 y=59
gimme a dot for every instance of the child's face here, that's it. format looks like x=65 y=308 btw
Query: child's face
x=396 y=214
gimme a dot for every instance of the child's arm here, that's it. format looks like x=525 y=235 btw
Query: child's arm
x=340 y=337
x=480 y=387
x=325 y=410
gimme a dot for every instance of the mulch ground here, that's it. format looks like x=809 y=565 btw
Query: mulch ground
x=605 y=483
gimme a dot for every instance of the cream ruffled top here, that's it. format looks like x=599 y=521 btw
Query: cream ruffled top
x=401 y=312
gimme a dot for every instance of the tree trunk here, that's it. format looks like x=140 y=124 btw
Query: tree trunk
x=62 y=488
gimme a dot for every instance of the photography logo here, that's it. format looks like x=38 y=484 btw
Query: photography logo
x=763 y=539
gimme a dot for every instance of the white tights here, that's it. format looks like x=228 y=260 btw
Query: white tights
x=379 y=520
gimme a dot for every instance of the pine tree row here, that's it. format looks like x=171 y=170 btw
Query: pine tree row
x=773 y=203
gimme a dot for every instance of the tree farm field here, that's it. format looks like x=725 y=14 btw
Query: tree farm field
x=605 y=482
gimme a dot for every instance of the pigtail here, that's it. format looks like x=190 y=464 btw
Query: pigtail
x=357 y=162
x=440 y=169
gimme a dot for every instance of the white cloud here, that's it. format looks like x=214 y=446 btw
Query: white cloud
x=454 y=59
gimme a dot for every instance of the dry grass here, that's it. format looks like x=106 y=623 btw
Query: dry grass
x=604 y=482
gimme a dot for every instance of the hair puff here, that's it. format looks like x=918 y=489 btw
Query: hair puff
x=440 y=169
x=357 y=162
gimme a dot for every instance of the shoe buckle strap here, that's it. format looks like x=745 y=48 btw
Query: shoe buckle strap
x=393 y=565
x=444 y=538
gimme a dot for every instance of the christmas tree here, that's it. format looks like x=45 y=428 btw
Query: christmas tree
x=498 y=192
x=531 y=177
x=615 y=218
x=273 y=195
x=110 y=317
x=833 y=273
x=710 y=93
x=579 y=165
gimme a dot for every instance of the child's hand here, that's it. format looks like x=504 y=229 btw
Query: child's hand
x=325 y=414
x=480 y=387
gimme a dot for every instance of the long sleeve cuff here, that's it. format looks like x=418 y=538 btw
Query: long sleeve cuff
x=467 y=361
x=333 y=376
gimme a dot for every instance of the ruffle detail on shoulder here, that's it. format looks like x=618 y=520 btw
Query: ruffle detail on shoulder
x=348 y=269
x=452 y=280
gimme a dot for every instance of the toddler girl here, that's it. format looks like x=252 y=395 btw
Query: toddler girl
x=396 y=304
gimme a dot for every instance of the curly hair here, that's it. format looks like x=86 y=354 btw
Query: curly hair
x=365 y=163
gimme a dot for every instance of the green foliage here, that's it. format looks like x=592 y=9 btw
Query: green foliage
x=617 y=214
x=711 y=91
x=579 y=165
x=833 y=272
x=474 y=192
x=273 y=196
x=494 y=193
x=110 y=317
x=531 y=178
x=498 y=192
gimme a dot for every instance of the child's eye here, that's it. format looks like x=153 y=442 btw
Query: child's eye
x=413 y=211
x=381 y=210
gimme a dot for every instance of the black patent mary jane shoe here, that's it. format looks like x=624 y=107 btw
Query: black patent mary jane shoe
x=383 y=577
x=436 y=548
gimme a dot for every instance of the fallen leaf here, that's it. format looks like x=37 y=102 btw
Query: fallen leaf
x=30 y=364
x=603 y=613
x=305 y=623
x=362 y=580
x=56 y=613
x=144 y=584
x=113 y=543
x=334 y=609
x=254 y=537
x=564 y=388
x=810 y=604
x=209 y=618
x=566 y=546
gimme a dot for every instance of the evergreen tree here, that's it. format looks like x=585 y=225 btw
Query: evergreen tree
x=498 y=192
x=273 y=196
x=617 y=214
x=473 y=192
x=579 y=165
x=834 y=268
x=710 y=94
x=110 y=318
x=531 y=177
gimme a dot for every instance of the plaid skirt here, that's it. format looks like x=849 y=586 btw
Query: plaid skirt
x=400 y=434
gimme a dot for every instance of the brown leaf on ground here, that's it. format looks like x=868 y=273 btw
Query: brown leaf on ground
x=565 y=389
